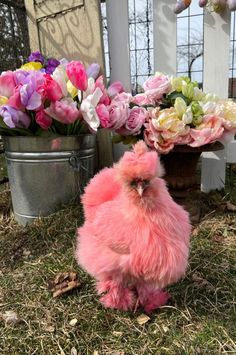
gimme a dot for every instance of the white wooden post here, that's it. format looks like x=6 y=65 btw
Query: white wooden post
x=118 y=42
x=164 y=36
x=216 y=68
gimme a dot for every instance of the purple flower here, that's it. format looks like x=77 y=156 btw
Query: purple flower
x=93 y=70
x=29 y=96
x=14 y=118
x=36 y=57
x=51 y=65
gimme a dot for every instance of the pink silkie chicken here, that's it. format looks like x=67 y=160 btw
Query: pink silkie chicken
x=135 y=239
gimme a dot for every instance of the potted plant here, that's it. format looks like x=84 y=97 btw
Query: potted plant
x=177 y=119
x=49 y=116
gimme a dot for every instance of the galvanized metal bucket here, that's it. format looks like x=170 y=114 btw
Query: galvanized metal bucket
x=46 y=173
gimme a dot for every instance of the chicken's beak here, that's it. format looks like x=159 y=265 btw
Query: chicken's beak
x=140 y=188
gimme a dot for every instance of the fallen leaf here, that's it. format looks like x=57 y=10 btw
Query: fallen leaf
x=142 y=319
x=73 y=351
x=50 y=329
x=63 y=282
x=11 y=317
x=230 y=207
x=117 y=334
x=73 y=322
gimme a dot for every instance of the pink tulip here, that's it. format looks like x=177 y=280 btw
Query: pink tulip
x=77 y=74
x=50 y=89
x=64 y=111
x=115 y=88
x=99 y=83
x=7 y=83
x=43 y=120
x=103 y=114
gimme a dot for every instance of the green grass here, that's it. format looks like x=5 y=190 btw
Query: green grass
x=199 y=319
x=3 y=170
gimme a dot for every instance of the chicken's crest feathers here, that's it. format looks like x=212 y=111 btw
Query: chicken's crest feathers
x=140 y=162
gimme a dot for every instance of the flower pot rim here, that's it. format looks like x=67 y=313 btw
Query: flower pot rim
x=204 y=148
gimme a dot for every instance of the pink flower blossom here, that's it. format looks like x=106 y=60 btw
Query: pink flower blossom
x=103 y=114
x=64 y=111
x=77 y=75
x=15 y=100
x=154 y=140
x=119 y=113
x=124 y=97
x=115 y=88
x=50 y=89
x=135 y=121
x=43 y=120
x=7 y=83
x=143 y=99
x=99 y=83
x=156 y=86
x=209 y=131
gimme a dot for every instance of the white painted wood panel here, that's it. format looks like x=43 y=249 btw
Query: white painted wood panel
x=216 y=67
x=118 y=42
x=164 y=36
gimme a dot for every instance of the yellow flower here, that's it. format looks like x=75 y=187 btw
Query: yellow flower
x=227 y=110
x=3 y=100
x=73 y=91
x=31 y=66
x=168 y=122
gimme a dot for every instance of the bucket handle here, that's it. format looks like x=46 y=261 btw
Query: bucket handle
x=76 y=164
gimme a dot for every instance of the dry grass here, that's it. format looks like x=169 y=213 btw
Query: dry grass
x=199 y=319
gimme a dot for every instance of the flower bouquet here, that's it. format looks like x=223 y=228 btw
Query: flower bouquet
x=47 y=97
x=171 y=111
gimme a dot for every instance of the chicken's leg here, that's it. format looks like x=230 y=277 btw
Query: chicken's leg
x=151 y=297
x=117 y=294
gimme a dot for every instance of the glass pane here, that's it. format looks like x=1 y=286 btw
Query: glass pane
x=197 y=76
x=182 y=58
x=182 y=31
x=195 y=9
x=197 y=63
x=140 y=36
x=196 y=29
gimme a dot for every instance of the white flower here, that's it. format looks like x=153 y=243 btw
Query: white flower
x=208 y=107
x=59 y=75
x=187 y=116
x=197 y=94
x=88 y=109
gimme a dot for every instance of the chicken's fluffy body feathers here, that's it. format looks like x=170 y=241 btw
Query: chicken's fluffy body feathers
x=134 y=246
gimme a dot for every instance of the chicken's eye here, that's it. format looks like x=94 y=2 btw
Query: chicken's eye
x=133 y=183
